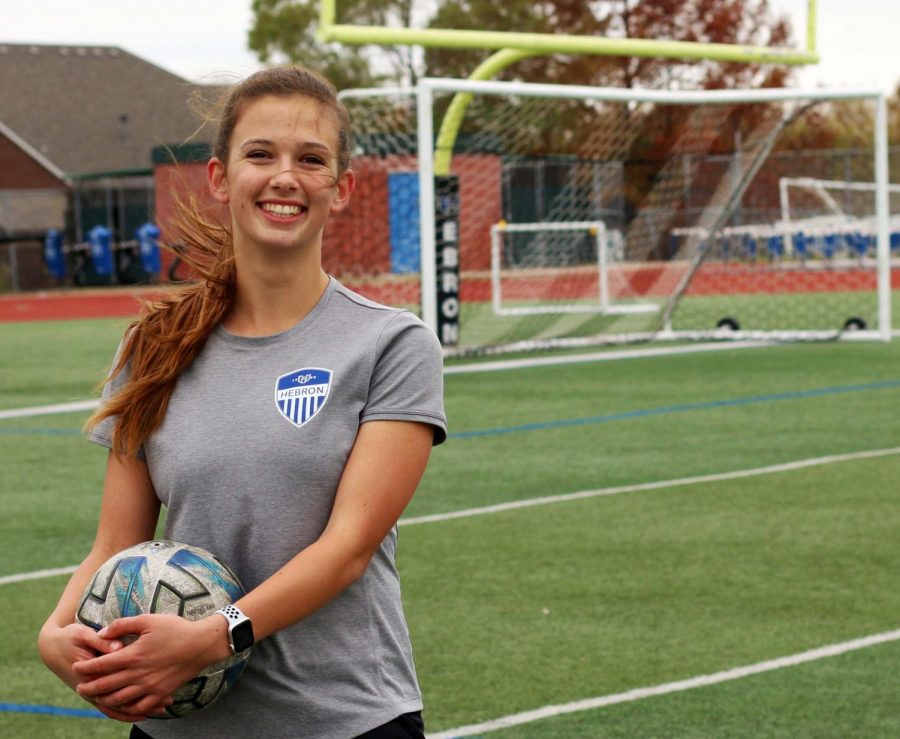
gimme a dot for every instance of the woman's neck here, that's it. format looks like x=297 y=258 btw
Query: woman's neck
x=271 y=297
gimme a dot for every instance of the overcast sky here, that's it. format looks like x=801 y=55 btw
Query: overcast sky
x=859 y=40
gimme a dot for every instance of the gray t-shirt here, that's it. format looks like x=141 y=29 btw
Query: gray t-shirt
x=247 y=462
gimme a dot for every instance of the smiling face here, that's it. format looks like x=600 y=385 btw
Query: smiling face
x=281 y=179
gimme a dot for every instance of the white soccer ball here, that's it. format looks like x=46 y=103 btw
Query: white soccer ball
x=173 y=578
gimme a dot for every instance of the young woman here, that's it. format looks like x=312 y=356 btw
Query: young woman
x=285 y=423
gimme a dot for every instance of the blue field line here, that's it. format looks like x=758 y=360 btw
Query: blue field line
x=50 y=710
x=596 y=420
x=40 y=432
x=679 y=408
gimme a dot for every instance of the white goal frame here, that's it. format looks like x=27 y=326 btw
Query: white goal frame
x=603 y=305
x=426 y=89
x=821 y=187
x=837 y=219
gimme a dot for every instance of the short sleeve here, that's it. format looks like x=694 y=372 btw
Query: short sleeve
x=407 y=382
x=102 y=433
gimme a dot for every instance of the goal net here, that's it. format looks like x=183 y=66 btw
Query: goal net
x=595 y=215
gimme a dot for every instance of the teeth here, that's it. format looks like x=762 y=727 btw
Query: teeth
x=281 y=210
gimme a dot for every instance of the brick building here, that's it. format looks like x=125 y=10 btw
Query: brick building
x=77 y=127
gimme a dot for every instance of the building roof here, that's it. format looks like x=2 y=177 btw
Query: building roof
x=87 y=109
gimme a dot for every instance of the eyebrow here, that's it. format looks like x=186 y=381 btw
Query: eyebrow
x=316 y=146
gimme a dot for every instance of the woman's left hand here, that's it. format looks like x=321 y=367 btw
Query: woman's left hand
x=140 y=678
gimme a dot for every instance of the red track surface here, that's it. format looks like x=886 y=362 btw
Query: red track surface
x=66 y=304
x=652 y=281
x=661 y=281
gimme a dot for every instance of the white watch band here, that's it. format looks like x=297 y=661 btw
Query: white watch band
x=237 y=620
x=233 y=614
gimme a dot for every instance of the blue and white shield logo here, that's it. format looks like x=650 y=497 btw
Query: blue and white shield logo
x=301 y=394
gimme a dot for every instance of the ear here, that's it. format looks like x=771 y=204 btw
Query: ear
x=215 y=176
x=345 y=186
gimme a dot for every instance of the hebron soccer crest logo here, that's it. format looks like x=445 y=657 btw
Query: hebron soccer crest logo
x=301 y=394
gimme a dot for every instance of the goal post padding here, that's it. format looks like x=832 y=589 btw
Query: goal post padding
x=685 y=183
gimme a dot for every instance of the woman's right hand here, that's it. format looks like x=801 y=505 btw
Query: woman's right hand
x=61 y=647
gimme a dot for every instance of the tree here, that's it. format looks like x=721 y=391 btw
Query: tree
x=284 y=30
x=739 y=22
x=842 y=125
x=894 y=118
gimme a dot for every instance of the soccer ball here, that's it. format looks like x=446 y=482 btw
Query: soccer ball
x=167 y=577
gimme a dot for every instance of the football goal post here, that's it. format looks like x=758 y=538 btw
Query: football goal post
x=582 y=215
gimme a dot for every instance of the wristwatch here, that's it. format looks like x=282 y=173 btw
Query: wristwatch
x=240 y=628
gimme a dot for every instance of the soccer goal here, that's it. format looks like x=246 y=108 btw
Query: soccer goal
x=805 y=198
x=544 y=268
x=627 y=214
x=837 y=216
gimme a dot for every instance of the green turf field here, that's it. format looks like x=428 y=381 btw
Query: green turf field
x=825 y=311
x=738 y=556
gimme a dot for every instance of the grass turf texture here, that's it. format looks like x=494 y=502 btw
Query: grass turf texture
x=846 y=696
x=596 y=597
x=816 y=311
x=44 y=362
x=521 y=609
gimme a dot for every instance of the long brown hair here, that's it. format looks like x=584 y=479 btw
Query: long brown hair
x=173 y=330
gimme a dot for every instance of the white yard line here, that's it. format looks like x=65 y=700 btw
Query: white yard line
x=657 y=351
x=582 y=495
x=512 y=364
x=49 y=410
x=517 y=719
x=659 y=485
x=37 y=575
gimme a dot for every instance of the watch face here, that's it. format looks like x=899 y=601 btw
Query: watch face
x=242 y=636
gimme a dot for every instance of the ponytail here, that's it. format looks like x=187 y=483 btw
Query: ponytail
x=170 y=333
